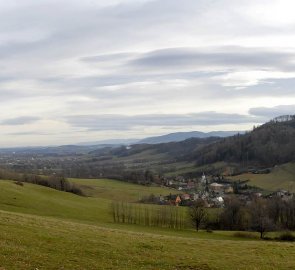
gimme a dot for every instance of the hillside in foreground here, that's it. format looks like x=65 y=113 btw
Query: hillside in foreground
x=41 y=228
x=32 y=242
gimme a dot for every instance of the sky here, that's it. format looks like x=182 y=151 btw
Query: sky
x=77 y=71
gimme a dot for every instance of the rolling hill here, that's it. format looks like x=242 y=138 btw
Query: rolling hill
x=280 y=177
x=266 y=146
x=42 y=228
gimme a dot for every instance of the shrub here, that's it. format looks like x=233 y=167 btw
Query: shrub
x=19 y=183
x=287 y=236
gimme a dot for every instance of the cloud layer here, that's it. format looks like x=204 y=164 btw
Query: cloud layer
x=78 y=70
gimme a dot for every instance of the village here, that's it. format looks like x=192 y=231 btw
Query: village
x=212 y=190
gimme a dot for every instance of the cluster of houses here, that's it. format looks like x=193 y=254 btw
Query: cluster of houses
x=213 y=191
x=186 y=199
x=283 y=194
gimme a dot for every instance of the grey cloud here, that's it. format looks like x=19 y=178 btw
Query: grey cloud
x=130 y=77
x=202 y=64
x=50 y=30
x=273 y=111
x=30 y=133
x=19 y=121
x=180 y=63
x=109 y=57
x=269 y=87
x=86 y=25
x=13 y=94
x=123 y=122
x=74 y=29
x=226 y=57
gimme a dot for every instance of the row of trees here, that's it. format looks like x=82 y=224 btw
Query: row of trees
x=149 y=215
x=259 y=215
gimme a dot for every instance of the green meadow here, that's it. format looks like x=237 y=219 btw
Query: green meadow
x=41 y=228
x=117 y=190
x=281 y=177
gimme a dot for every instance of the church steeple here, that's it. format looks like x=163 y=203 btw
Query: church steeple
x=204 y=178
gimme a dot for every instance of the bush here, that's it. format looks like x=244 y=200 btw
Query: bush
x=75 y=190
x=19 y=183
x=287 y=236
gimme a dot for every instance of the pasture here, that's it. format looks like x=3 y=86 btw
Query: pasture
x=42 y=228
x=281 y=177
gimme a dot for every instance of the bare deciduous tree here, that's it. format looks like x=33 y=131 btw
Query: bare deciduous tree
x=261 y=221
x=198 y=213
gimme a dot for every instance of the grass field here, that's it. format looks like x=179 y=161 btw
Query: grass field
x=282 y=177
x=41 y=228
x=30 y=242
x=121 y=191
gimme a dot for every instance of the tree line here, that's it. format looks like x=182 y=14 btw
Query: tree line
x=53 y=181
x=268 y=145
x=260 y=215
x=148 y=215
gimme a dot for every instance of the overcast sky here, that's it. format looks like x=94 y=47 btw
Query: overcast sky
x=75 y=71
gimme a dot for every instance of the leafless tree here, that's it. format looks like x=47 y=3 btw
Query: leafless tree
x=197 y=213
x=260 y=220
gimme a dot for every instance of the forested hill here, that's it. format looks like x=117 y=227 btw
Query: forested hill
x=270 y=144
x=267 y=145
x=176 y=150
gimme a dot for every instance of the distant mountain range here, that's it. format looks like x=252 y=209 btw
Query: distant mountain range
x=110 y=142
x=181 y=136
x=85 y=147
x=171 y=137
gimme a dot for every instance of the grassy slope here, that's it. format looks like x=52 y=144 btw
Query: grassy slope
x=78 y=235
x=121 y=191
x=46 y=243
x=282 y=177
x=33 y=199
